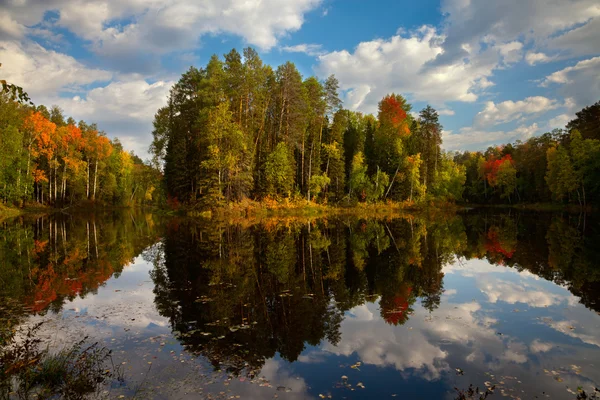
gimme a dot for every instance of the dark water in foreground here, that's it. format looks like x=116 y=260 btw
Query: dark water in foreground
x=410 y=307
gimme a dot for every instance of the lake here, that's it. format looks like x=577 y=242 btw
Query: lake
x=414 y=306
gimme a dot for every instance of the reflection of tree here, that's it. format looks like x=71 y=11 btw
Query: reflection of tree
x=555 y=247
x=573 y=258
x=240 y=295
x=46 y=261
x=395 y=309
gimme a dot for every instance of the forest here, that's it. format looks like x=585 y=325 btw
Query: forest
x=238 y=130
x=47 y=158
x=562 y=166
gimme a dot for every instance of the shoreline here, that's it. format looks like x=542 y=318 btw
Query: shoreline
x=273 y=209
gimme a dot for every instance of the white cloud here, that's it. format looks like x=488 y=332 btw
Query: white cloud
x=512 y=52
x=378 y=67
x=123 y=109
x=309 y=49
x=533 y=58
x=566 y=75
x=44 y=72
x=580 y=83
x=583 y=40
x=469 y=138
x=446 y=111
x=467 y=22
x=135 y=99
x=509 y=110
x=9 y=28
x=560 y=121
x=123 y=28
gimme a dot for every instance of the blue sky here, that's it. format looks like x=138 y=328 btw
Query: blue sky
x=496 y=70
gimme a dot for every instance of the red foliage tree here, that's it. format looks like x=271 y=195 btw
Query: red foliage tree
x=492 y=166
x=392 y=113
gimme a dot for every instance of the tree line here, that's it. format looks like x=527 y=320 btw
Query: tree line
x=238 y=129
x=50 y=159
x=561 y=166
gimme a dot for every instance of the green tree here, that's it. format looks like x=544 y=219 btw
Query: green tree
x=450 y=179
x=560 y=177
x=279 y=171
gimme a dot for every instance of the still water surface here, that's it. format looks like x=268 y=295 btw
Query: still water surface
x=407 y=307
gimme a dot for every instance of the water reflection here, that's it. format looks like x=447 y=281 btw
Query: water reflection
x=411 y=305
x=48 y=261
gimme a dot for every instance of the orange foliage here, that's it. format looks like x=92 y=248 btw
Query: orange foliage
x=39 y=175
x=42 y=131
x=391 y=113
x=65 y=279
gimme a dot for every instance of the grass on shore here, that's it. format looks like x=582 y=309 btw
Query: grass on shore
x=270 y=208
x=8 y=212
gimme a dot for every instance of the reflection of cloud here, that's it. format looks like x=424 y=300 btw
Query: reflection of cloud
x=122 y=306
x=360 y=313
x=378 y=343
x=512 y=293
x=277 y=373
x=537 y=346
x=473 y=267
x=574 y=330
x=312 y=357
x=515 y=353
x=514 y=287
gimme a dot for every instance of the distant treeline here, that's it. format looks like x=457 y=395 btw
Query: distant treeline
x=238 y=129
x=561 y=166
x=50 y=159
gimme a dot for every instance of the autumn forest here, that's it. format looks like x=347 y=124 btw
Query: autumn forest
x=238 y=130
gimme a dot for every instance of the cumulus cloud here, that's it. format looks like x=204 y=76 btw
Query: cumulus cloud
x=9 y=28
x=469 y=138
x=44 y=72
x=581 y=41
x=446 y=111
x=509 y=110
x=378 y=67
x=123 y=108
x=467 y=22
x=534 y=58
x=511 y=52
x=580 y=83
x=560 y=121
x=122 y=28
